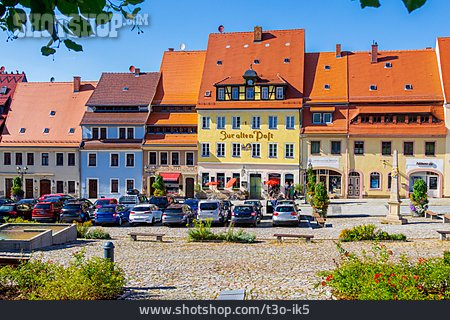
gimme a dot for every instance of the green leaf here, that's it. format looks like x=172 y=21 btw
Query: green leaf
x=80 y=27
x=73 y=45
x=67 y=7
x=46 y=51
x=92 y=7
x=370 y=3
x=25 y=3
x=134 y=2
x=16 y=19
x=10 y=3
x=412 y=5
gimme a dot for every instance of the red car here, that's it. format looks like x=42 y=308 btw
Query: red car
x=104 y=202
x=46 y=211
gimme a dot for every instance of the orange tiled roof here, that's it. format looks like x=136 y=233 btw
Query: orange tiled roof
x=171 y=139
x=416 y=67
x=317 y=76
x=112 y=144
x=172 y=118
x=230 y=105
x=30 y=109
x=181 y=74
x=444 y=58
x=237 y=51
x=339 y=125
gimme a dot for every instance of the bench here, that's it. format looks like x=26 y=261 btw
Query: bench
x=159 y=236
x=232 y=295
x=320 y=221
x=443 y=234
x=431 y=215
x=298 y=236
x=12 y=261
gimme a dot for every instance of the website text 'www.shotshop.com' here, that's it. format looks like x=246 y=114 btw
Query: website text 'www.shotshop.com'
x=225 y=311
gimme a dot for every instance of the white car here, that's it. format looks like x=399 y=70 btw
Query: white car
x=145 y=213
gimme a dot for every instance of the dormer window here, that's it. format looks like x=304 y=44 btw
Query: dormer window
x=373 y=87
x=250 y=93
x=256 y=61
x=280 y=93
x=408 y=87
x=46 y=130
x=326 y=87
x=52 y=113
x=22 y=130
x=235 y=93
x=3 y=90
x=221 y=94
x=327 y=67
x=71 y=130
x=208 y=93
x=388 y=65
x=265 y=93
x=287 y=60
x=250 y=76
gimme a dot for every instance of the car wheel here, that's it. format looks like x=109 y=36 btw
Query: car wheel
x=153 y=221
x=120 y=222
x=132 y=224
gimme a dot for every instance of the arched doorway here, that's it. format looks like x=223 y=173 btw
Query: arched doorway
x=44 y=187
x=432 y=179
x=354 y=185
x=190 y=182
x=331 y=179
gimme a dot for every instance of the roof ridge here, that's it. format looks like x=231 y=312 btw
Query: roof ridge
x=264 y=31
x=394 y=50
x=131 y=73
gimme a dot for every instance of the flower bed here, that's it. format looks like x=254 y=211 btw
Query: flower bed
x=202 y=232
x=368 y=232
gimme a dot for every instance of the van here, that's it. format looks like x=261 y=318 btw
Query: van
x=213 y=210
x=130 y=201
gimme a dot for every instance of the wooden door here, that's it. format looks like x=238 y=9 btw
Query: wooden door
x=29 y=192
x=354 y=185
x=190 y=187
x=93 y=189
x=44 y=187
x=255 y=186
x=8 y=186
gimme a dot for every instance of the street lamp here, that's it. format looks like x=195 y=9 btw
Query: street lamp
x=22 y=172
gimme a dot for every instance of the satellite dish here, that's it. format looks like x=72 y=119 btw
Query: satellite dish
x=221 y=28
x=132 y=69
x=52 y=79
x=182 y=47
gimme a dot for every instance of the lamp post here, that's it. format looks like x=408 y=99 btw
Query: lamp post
x=22 y=172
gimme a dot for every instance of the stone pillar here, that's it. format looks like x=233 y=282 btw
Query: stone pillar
x=394 y=216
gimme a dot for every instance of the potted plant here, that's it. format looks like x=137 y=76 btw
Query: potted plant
x=16 y=191
x=310 y=185
x=159 y=186
x=320 y=201
x=419 y=198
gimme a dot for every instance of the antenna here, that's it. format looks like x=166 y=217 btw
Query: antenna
x=182 y=46
x=52 y=79
x=132 y=69
x=221 y=28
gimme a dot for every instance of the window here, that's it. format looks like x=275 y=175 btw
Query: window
x=71 y=187
x=256 y=122
x=59 y=186
x=389 y=181
x=122 y=133
x=92 y=160
x=130 y=184
x=95 y=133
x=44 y=159
x=46 y=130
x=408 y=148
x=206 y=122
x=60 y=159
x=273 y=150
x=264 y=93
x=280 y=93
x=220 y=150
x=130 y=133
x=287 y=60
x=125 y=133
x=256 y=150
x=221 y=94
x=219 y=62
x=250 y=93
x=237 y=176
x=317 y=118
x=273 y=122
x=19 y=159
x=236 y=123
x=189 y=158
x=408 y=87
x=175 y=158
x=114 y=160
x=290 y=122
x=7 y=158
x=335 y=147
x=430 y=148
x=236 y=150
x=289 y=151
x=315 y=147
x=130 y=160
x=152 y=158
x=373 y=87
x=220 y=123
x=71 y=131
x=102 y=133
x=221 y=181
x=326 y=87
x=22 y=130
x=235 y=93
x=164 y=158
x=327 y=67
x=205 y=180
x=388 y=65
x=205 y=150
x=386 y=148
x=114 y=186
x=322 y=118
x=256 y=61
x=375 y=180
x=359 y=147
x=327 y=118
x=71 y=159
x=30 y=159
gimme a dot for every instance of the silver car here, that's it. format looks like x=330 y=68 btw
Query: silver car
x=213 y=210
x=145 y=213
x=285 y=214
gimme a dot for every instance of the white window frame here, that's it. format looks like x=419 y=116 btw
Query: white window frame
x=171 y=159
x=193 y=159
x=258 y=121
x=126 y=182
x=96 y=159
x=126 y=160
x=278 y=95
x=273 y=150
x=256 y=147
x=56 y=159
x=156 y=158
x=290 y=122
x=233 y=89
x=287 y=147
x=118 y=186
x=205 y=147
x=220 y=122
x=168 y=160
x=314 y=116
x=220 y=146
x=118 y=160
x=264 y=93
x=221 y=94
x=235 y=121
x=273 y=122
x=236 y=147
x=48 y=159
x=324 y=117
x=206 y=122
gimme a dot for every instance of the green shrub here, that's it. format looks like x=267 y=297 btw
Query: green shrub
x=85 y=231
x=83 y=279
x=368 y=232
x=376 y=277
x=419 y=198
x=310 y=185
x=18 y=220
x=202 y=232
x=236 y=236
x=320 y=200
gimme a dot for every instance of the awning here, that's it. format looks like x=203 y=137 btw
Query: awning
x=322 y=109
x=170 y=177
x=230 y=183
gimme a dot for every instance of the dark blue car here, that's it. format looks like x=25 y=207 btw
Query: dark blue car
x=111 y=214
x=193 y=203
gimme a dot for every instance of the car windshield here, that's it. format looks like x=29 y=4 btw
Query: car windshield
x=127 y=200
x=285 y=209
x=26 y=201
x=174 y=211
x=243 y=209
x=102 y=202
x=6 y=208
x=52 y=199
x=208 y=206
x=42 y=206
x=252 y=202
x=141 y=209
x=72 y=206
x=159 y=201
x=105 y=210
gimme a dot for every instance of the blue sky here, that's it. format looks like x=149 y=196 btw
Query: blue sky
x=172 y=22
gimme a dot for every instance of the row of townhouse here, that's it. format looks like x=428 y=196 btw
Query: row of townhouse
x=251 y=108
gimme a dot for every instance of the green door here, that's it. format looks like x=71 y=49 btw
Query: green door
x=255 y=186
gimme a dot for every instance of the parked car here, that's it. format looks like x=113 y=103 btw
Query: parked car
x=29 y=202
x=145 y=213
x=256 y=203
x=228 y=207
x=47 y=211
x=104 y=201
x=111 y=214
x=6 y=200
x=15 y=210
x=285 y=214
x=79 y=211
x=178 y=214
x=288 y=203
x=62 y=197
x=211 y=209
x=130 y=201
x=161 y=202
x=193 y=203
x=245 y=214
x=179 y=200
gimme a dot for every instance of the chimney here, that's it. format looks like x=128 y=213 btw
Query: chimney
x=137 y=72
x=76 y=83
x=258 y=33
x=374 y=53
x=338 y=50
x=171 y=49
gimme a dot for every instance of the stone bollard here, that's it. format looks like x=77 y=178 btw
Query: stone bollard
x=108 y=251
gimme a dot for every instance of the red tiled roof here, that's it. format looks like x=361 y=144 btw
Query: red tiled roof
x=133 y=118
x=111 y=90
x=172 y=118
x=10 y=81
x=112 y=144
x=171 y=139
x=444 y=59
x=237 y=51
x=339 y=125
x=288 y=104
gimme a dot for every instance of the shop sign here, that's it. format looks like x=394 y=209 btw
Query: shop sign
x=255 y=135
x=324 y=162
x=414 y=164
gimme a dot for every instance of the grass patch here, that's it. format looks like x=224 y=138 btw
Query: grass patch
x=202 y=232
x=86 y=231
x=368 y=232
